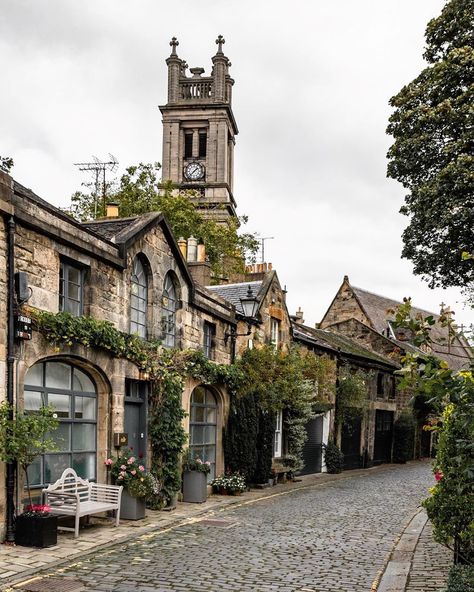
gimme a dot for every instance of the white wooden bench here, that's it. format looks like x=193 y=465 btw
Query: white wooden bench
x=73 y=496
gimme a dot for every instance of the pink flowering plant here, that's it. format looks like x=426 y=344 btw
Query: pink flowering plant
x=127 y=470
x=194 y=463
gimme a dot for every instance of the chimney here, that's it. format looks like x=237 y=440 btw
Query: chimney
x=192 y=249
x=199 y=268
x=299 y=320
x=183 y=246
x=112 y=210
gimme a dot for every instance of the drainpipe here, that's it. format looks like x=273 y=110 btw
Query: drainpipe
x=11 y=467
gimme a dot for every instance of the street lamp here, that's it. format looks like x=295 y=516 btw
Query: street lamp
x=249 y=306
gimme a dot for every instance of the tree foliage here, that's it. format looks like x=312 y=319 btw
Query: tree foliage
x=139 y=191
x=6 y=164
x=433 y=150
x=451 y=504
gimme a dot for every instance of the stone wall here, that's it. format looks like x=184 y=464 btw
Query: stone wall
x=343 y=307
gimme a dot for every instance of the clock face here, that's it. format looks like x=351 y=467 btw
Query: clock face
x=194 y=171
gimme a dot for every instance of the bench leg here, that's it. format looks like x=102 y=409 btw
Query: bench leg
x=117 y=517
x=76 y=527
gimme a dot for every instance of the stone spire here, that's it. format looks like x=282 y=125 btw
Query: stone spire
x=175 y=66
x=222 y=80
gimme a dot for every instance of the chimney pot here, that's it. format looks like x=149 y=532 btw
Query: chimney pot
x=112 y=210
x=192 y=249
x=183 y=246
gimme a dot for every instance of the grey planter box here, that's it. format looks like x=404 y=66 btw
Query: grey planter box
x=132 y=508
x=194 y=487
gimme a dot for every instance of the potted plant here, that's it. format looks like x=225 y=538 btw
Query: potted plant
x=231 y=484
x=23 y=436
x=138 y=485
x=195 y=473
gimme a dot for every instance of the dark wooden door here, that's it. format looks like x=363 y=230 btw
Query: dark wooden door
x=135 y=418
x=312 y=451
x=350 y=443
x=383 y=436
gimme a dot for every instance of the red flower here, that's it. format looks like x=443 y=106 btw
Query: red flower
x=438 y=475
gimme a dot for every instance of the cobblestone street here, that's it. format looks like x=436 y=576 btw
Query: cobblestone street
x=334 y=537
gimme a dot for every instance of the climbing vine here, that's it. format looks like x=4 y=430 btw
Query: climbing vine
x=352 y=396
x=167 y=370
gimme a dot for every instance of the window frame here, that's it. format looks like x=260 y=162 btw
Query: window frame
x=275 y=332
x=71 y=420
x=209 y=340
x=136 y=326
x=168 y=314
x=193 y=423
x=64 y=281
x=278 y=435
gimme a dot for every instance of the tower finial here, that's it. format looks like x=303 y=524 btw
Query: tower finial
x=220 y=42
x=174 y=44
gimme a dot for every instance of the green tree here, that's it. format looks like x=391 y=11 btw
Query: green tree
x=433 y=152
x=140 y=191
x=6 y=164
x=23 y=436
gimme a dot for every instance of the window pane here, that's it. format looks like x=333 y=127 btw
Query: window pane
x=33 y=401
x=210 y=435
x=84 y=464
x=74 y=275
x=61 y=404
x=197 y=434
x=58 y=375
x=211 y=415
x=54 y=465
x=62 y=437
x=197 y=414
x=84 y=407
x=34 y=472
x=74 y=292
x=34 y=376
x=83 y=436
x=198 y=395
x=81 y=382
x=210 y=399
x=198 y=452
x=73 y=307
x=209 y=454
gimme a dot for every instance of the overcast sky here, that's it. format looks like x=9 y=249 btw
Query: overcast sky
x=312 y=84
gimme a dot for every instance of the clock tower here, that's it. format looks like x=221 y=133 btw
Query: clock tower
x=199 y=132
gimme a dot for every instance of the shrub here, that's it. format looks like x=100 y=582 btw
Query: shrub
x=403 y=437
x=333 y=457
x=461 y=579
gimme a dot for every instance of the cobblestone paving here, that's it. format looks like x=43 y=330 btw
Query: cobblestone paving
x=330 y=538
x=430 y=565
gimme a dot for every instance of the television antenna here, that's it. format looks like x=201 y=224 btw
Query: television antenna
x=98 y=168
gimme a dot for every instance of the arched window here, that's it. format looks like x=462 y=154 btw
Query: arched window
x=74 y=396
x=138 y=299
x=169 y=305
x=202 y=427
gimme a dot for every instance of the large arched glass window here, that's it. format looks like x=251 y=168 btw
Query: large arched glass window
x=138 y=299
x=202 y=427
x=169 y=305
x=74 y=396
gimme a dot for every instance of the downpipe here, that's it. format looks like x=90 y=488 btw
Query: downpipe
x=11 y=467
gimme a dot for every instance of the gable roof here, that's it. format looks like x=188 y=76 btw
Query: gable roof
x=108 y=228
x=234 y=292
x=338 y=344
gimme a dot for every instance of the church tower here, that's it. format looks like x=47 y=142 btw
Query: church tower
x=199 y=132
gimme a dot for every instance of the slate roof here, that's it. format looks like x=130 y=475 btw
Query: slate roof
x=339 y=344
x=109 y=228
x=377 y=308
x=234 y=292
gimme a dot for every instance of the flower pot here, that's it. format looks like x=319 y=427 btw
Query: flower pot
x=36 y=530
x=194 y=487
x=132 y=508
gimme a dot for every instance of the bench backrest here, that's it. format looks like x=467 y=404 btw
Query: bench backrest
x=69 y=482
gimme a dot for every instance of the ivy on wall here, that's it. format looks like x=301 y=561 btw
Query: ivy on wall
x=296 y=382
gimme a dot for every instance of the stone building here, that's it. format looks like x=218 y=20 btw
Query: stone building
x=130 y=272
x=366 y=319
x=199 y=132
x=365 y=439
